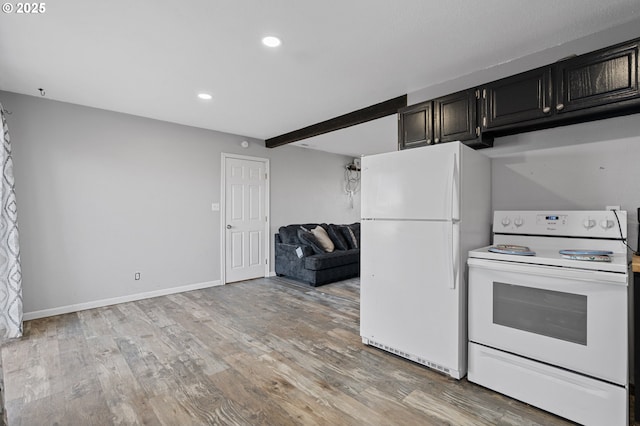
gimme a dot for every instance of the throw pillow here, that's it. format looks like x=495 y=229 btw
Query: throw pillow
x=355 y=227
x=289 y=234
x=309 y=239
x=350 y=236
x=336 y=236
x=323 y=238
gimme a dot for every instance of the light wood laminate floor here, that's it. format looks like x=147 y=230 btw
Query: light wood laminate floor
x=262 y=352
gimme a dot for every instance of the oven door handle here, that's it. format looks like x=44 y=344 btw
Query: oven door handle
x=551 y=271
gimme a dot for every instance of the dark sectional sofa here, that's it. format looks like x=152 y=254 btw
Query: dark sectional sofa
x=301 y=256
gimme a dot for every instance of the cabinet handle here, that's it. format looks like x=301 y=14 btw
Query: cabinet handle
x=546 y=109
x=428 y=141
x=560 y=107
x=437 y=140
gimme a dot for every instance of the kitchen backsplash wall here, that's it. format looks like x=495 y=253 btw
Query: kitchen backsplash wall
x=581 y=167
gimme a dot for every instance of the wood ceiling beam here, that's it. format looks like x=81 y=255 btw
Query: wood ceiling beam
x=363 y=115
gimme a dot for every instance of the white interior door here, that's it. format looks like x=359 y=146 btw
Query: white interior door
x=245 y=218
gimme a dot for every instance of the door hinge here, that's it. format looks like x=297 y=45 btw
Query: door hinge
x=266 y=176
x=266 y=261
x=266 y=218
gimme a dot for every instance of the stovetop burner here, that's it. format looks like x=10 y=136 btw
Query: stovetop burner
x=589 y=240
x=512 y=249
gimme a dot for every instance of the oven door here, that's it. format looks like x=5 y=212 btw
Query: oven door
x=570 y=318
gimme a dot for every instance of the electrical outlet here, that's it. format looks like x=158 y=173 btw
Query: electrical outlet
x=613 y=208
x=137 y=276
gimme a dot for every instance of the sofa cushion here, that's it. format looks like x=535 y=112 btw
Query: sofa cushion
x=309 y=239
x=355 y=227
x=323 y=239
x=318 y=262
x=336 y=236
x=351 y=233
x=289 y=233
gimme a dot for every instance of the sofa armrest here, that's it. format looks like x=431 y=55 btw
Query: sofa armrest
x=287 y=261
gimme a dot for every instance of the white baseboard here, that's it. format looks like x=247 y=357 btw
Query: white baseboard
x=115 y=300
x=271 y=274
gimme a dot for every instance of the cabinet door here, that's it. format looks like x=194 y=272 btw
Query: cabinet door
x=454 y=117
x=415 y=126
x=517 y=99
x=600 y=78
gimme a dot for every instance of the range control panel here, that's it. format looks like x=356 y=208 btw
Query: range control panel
x=574 y=223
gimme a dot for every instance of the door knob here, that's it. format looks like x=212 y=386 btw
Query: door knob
x=228 y=226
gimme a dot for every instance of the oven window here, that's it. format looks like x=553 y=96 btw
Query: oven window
x=549 y=313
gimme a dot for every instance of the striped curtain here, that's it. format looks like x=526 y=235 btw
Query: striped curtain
x=10 y=270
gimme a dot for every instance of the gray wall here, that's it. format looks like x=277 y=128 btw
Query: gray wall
x=102 y=195
x=581 y=167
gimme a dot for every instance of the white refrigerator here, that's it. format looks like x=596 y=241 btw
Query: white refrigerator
x=423 y=209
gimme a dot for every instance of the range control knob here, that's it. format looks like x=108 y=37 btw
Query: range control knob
x=589 y=223
x=518 y=221
x=506 y=221
x=606 y=224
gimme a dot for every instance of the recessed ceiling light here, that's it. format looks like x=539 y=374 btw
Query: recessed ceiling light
x=205 y=96
x=271 y=41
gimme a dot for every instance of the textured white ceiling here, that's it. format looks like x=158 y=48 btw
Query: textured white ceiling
x=151 y=57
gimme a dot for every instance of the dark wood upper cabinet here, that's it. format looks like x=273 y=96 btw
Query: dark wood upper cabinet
x=454 y=117
x=415 y=125
x=446 y=119
x=517 y=99
x=588 y=87
x=596 y=79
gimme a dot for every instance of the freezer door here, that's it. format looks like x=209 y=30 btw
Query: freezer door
x=407 y=299
x=420 y=183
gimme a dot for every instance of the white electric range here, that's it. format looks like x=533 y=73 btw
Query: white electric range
x=548 y=329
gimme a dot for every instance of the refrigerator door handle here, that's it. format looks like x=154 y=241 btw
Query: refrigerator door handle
x=453 y=191
x=455 y=250
x=452 y=263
